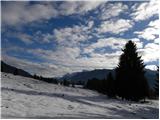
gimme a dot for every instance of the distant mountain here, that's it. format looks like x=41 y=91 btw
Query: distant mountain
x=84 y=76
x=11 y=69
x=80 y=77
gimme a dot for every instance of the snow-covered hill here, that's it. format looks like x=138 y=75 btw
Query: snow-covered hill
x=29 y=98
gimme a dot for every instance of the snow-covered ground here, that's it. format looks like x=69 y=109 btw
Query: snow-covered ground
x=29 y=98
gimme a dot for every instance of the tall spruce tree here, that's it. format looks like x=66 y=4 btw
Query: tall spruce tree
x=157 y=83
x=110 y=85
x=131 y=83
x=15 y=72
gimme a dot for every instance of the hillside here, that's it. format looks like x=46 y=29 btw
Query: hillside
x=24 y=97
x=11 y=69
x=102 y=74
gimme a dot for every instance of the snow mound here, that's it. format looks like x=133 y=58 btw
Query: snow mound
x=24 y=97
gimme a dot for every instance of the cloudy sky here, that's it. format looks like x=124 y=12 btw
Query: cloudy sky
x=55 y=38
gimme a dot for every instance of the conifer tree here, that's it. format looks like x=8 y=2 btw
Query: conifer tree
x=110 y=87
x=15 y=72
x=131 y=83
x=35 y=76
x=66 y=82
x=2 y=68
x=157 y=83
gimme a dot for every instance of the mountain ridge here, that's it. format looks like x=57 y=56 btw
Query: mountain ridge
x=84 y=76
x=80 y=77
x=11 y=69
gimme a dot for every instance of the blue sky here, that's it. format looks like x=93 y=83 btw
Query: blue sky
x=58 y=37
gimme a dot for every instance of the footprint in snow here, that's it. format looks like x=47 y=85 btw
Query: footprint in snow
x=5 y=106
x=118 y=106
x=12 y=89
x=70 y=107
x=62 y=95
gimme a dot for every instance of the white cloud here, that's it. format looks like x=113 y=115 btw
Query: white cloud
x=112 y=10
x=17 y=13
x=145 y=10
x=101 y=61
x=157 y=40
x=42 y=38
x=73 y=34
x=61 y=55
x=22 y=12
x=46 y=38
x=25 y=38
x=151 y=67
x=115 y=26
x=90 y=24
x=138 y=43
x=64 y=53
x=113 y=43
x=155 y=24
x=69 y=35
x=28 y=39
x=78 y=7
x=150 y=52
x=150 y=32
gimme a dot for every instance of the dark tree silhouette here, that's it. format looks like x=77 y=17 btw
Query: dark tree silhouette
x=92 y=84
x=110 y=85
x=157 y=83
x=45 y=79
x=73 y=83
x=15 y=72
x=2 y=68
x=103 y=86
x=131 y=83
x=66 y=82
x=35 y=76
x=96 y=84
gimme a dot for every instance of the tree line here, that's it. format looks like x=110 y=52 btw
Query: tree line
x=54 y=80
x=130 y=82
x=45 y=79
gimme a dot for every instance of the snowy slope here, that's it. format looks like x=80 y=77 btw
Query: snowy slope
x=29 y=98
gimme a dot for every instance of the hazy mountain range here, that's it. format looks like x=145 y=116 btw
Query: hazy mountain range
x=102 y=74
x=80 y=76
